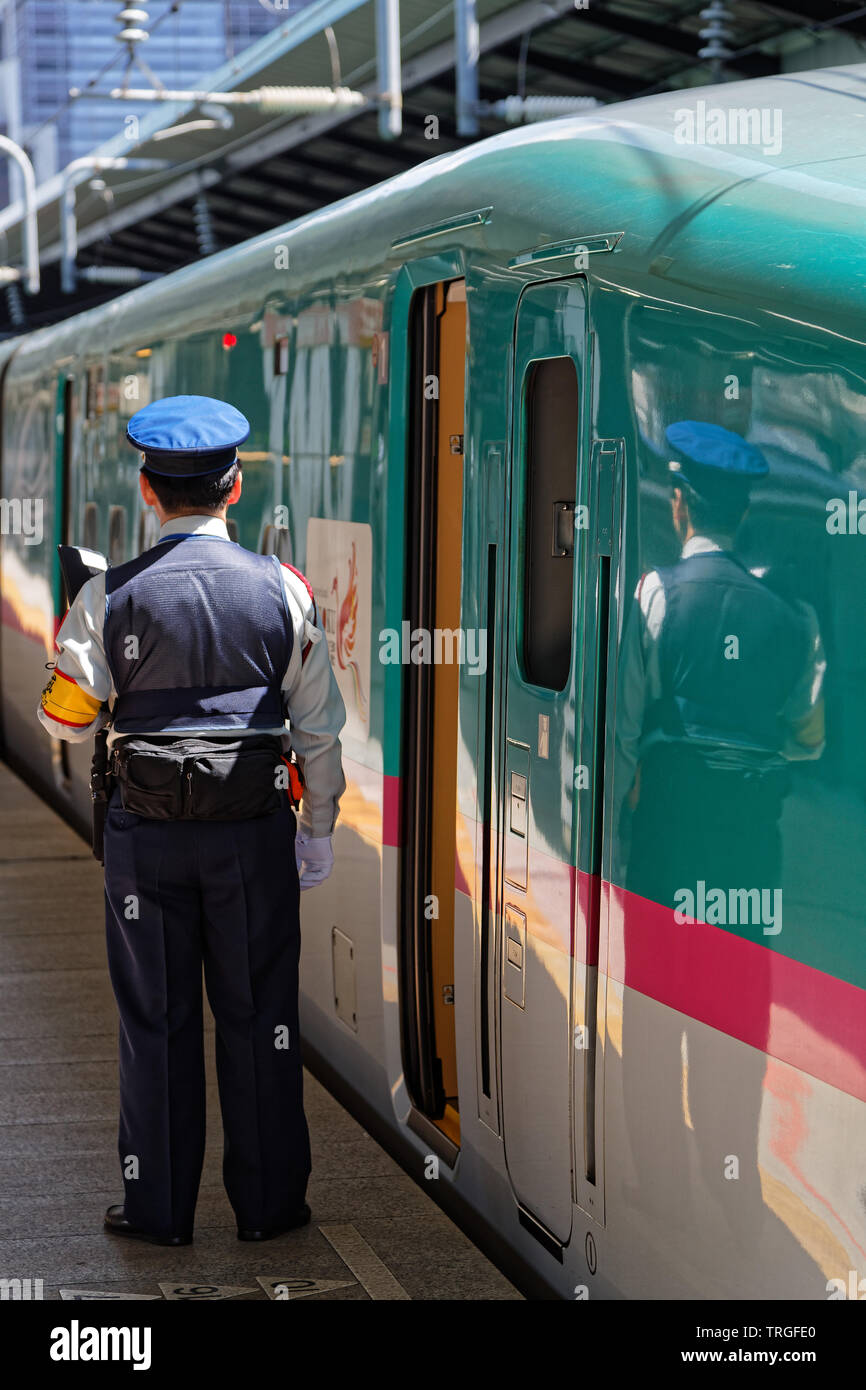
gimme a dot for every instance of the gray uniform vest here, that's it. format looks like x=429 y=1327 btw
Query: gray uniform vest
x=198 y=638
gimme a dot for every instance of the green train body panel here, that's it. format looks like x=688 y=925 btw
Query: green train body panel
x=734 y=292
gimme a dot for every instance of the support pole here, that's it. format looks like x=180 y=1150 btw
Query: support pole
x=74 y=174
x=467 y=44
x=389 y=71
x=31 y=232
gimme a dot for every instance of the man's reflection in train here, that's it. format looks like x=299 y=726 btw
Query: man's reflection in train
x=721 y=689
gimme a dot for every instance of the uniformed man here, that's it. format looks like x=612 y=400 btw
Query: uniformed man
x=721 y=690
x=196 y=653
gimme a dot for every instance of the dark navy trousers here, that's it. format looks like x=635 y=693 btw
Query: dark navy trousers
x=223 y=895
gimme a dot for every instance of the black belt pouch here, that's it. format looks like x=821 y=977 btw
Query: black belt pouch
x=199 y=779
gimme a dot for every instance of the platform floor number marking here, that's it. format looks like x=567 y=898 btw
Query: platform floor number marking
x=200 y=1292
x=293 y=1286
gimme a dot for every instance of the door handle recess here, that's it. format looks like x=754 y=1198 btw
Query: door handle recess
x=515 y=956
x=517 y=821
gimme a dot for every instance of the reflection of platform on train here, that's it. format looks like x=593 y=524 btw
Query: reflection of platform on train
x=375 y=1233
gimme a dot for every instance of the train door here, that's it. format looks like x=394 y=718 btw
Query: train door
x=64 y=404
x=435 y=536
x=541 y=648
x=602 y=491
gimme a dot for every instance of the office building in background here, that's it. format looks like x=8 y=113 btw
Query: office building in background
x=48 y=46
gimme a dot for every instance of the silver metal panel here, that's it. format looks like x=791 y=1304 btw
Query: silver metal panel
x=345 y=990
x=514 y=974
x=544 y=736
x=517 y=815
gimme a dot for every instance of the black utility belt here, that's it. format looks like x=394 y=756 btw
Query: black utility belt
x=200 y=779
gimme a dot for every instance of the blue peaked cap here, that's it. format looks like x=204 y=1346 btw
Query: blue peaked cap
x=188 y=436
x=712 y=459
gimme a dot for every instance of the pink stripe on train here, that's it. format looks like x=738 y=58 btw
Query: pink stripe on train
x=781 y=1006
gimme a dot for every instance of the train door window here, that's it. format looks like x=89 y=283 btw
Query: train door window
x=90 y=535
x=551 y=404
x=281 y=356
x=276 y=540
x=148 y=530
x=117 y=535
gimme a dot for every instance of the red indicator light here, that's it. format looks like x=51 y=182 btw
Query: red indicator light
x=229 y=340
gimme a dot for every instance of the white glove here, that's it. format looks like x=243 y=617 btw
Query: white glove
x=315 y=859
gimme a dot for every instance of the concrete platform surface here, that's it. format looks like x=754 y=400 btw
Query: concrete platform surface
x=374 y=1234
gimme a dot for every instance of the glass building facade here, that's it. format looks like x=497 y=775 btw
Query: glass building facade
x=48 y=46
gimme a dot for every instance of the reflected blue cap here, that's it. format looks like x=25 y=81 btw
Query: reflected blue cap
x=188 y=436
x=713 y=459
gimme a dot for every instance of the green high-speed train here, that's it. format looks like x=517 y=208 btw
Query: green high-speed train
x=460 y=384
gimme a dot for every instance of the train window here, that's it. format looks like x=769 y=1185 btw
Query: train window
x=551 y=469
x=281 y=356
x=117 y=535
x=90 y=537
x=276 y=540
x=148 y=530
x=95 y=391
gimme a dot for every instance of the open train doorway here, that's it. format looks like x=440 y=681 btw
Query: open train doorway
x=434 y=534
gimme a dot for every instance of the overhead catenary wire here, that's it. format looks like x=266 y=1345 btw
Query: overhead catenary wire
x=366 y=68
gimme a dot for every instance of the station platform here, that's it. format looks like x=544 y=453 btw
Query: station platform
x=374 y=1234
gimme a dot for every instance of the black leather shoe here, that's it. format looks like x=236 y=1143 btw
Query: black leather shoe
x=301 y=1218
x=116 y=1222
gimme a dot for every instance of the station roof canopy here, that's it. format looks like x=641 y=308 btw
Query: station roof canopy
x=221 y=183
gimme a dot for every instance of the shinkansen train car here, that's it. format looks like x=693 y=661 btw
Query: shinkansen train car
x=459 y=384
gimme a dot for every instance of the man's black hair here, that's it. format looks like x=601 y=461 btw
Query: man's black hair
x=716 y=514
x=207 y=493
